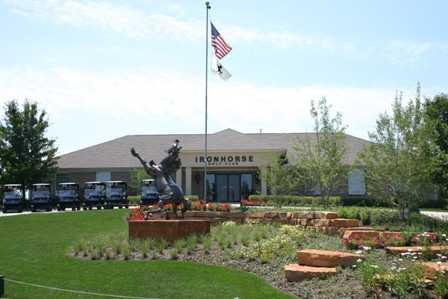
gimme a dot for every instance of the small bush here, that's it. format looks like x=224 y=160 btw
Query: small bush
x=294 y=200
x=370 y=216
x=401 y=282
x=192 y=198
x=441 y=286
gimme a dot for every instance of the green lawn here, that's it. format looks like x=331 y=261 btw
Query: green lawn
x=33 y=249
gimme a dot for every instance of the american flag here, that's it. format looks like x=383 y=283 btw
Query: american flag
x=219 y=44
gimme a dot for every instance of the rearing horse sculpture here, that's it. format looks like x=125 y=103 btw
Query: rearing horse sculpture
x=169 y=191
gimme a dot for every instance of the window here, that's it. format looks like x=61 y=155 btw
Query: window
x=211 y=187
x=246 y=185
x=103 y=176
x=356 y=182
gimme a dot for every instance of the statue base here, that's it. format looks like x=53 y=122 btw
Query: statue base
x=170 y=230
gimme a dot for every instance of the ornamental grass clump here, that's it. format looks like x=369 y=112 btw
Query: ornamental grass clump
x=108 y=254
x=207 y=244
x=125 y=250
x=146 y=248
x=80 y=246
x=191 y=243
x=179 y=245
x=174 y=254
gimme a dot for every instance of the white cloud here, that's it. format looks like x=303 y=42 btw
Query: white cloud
x=106 y=15
x=136 y=23
x=161 y=98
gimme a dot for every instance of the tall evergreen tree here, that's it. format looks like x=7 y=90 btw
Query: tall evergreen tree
x=27 y=156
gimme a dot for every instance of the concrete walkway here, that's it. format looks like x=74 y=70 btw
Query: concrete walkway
x=437 y=215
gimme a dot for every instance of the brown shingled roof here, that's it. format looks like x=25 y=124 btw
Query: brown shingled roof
x=115 y=153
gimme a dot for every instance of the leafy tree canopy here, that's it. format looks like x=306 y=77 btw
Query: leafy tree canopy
x=437 y=121
x=27 y=156
x=397 y=163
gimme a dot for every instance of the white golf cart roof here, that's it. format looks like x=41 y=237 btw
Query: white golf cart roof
x=12 y=185
x=41 y=184
x=67 y=184
x=96 y=182
x=148 y=180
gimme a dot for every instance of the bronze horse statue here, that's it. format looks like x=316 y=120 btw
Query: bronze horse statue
x=170 y=192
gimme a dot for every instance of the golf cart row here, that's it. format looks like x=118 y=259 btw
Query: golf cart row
x=67 y=195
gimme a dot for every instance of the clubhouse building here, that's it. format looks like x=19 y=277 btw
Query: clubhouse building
x=236 y=161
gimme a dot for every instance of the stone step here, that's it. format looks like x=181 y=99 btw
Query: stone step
x=326 y=258
x=296 y=272
x=363 y=228
x=435 y=249
x=433 y=269
x=378 y=238
x=362 y=237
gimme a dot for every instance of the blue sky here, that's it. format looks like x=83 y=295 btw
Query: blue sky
x=103 y=69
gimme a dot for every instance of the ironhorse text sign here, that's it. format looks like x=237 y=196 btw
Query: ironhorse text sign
x=225 y=160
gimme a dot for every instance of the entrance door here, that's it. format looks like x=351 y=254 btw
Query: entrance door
x=221 y=187
x=234 y=194
x=228 y=188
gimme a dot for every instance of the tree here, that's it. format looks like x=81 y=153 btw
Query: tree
x=320 y=161
x=437 y=122
x=397 y=163
x=137 y=175
x=281 y=177
x=27 y=156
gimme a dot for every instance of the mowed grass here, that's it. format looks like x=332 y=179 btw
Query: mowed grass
x=33 y=248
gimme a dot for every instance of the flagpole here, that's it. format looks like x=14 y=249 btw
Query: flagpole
x=207 y=7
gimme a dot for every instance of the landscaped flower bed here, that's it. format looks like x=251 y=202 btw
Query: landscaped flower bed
x=259 y=248
x=263 y=245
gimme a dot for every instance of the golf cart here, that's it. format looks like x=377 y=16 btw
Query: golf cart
x=40 y=197
x=13 y=198
x=67 y=196
x=149 y=195
x=94 y=195
x=116 y=194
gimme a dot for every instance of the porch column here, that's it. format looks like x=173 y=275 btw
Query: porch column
x=179 y=177
x=264 y=186
x=188 y=180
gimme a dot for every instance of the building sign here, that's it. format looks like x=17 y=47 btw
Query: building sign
x=225 y=160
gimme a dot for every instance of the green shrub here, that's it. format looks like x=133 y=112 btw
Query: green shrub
x=364 y=216
x=192 y=197
x=370 y=216
x=360 y=201
x=408 y=281
x=294 y=200
x=441 y=286
x=401 y=282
